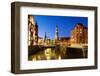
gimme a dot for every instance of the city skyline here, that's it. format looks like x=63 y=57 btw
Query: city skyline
x=65 y=25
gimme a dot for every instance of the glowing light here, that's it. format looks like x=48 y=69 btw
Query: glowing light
x=59 y=58
x=34 y=59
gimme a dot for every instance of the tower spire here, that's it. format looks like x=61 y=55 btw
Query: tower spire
x=45 y=36
x=56 y=33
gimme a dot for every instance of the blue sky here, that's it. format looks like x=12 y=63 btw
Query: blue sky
x=65 y=24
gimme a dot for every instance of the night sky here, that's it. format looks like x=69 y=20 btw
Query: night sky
x=65 y=25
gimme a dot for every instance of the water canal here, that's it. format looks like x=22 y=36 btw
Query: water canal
x=58 y=53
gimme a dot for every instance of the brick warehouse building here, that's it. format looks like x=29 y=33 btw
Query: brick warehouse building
x=79 y=35
x=32 y=31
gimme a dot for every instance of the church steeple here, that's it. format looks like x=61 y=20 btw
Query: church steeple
x=45 y=37
x=56 y=33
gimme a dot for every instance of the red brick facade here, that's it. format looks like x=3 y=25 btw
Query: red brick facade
x=79 y=35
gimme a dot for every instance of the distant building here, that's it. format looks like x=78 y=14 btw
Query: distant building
x=56 y=35
x=64 y=41
x=47 y=40
x=40 y=41
x=79 y=35
x=32 y=31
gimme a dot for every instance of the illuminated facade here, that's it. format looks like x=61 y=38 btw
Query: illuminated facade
x=79 y=35
x=40 y=41
x=32 y=31
x=64 y=41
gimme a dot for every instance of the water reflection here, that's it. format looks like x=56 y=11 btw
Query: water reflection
x=47 y=54
x=58 y=53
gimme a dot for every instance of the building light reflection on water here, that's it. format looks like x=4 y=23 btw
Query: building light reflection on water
x=59 y=58
x=47 y=54
x=34 y=58
x=59 y=53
